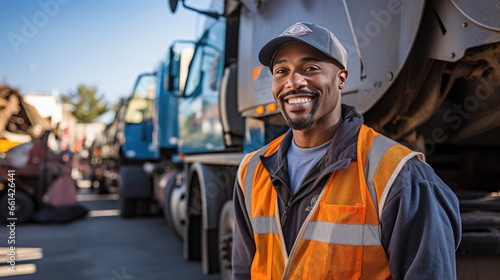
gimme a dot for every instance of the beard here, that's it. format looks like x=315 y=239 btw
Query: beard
x=304 y=122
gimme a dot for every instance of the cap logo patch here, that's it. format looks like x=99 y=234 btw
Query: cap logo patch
x=296 y=30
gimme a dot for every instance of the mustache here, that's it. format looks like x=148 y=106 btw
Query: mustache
x=299 y=91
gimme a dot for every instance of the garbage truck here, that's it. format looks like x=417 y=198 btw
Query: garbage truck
x=137 y=151
x=136 y=148
x=424 y=73
x=148 y=141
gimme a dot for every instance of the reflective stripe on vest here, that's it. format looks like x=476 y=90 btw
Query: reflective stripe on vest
x=265 y=224
x=346 y=234
x=247 y=181
x=334 y=228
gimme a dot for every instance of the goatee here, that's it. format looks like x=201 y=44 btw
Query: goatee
x=305 y=122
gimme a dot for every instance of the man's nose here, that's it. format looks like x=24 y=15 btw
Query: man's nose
x=296 y=81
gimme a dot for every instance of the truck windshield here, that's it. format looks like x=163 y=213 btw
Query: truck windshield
x=141 y=105
x=200 y=126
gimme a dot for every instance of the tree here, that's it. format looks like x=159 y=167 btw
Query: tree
x=88 y=105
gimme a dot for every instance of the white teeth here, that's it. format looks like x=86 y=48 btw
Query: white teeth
x=299 y=100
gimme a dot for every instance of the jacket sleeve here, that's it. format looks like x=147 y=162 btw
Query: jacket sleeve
x=243 y=243
x=421 y=225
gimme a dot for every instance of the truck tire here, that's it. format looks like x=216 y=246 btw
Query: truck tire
x=135 y=191
x=226 y=229
x=24 y=207
x=127 y=207
x=142 y=207
x=191 y=236
x=172 y=196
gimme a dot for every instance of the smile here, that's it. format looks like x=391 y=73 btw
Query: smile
x=299 y=100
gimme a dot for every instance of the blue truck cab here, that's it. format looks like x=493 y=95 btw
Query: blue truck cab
x=134 y=184
x=138 y=129
x=149 y=149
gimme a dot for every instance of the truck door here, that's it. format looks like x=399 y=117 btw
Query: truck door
x=138 y=130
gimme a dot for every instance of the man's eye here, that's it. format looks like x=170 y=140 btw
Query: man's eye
x=311 y=68
x=280 y=71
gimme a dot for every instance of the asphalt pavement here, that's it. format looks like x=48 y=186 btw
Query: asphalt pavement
x=101 y=246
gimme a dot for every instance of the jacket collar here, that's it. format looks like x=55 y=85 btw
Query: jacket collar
x=340 y=152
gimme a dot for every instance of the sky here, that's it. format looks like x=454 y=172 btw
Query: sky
x=56 y=45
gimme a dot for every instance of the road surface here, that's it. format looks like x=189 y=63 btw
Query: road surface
x=100 y=246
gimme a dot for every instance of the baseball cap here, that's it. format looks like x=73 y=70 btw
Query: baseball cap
x=314 y=35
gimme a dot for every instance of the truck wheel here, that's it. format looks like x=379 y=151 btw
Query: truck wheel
x=24 y=207
x=134 y=187
x=127 y=207
x=178 y=209
x=171 y=207
x=226 y=228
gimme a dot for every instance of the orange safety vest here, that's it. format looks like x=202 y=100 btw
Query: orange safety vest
x=341 y=237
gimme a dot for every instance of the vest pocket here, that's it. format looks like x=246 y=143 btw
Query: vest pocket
x=341 y=214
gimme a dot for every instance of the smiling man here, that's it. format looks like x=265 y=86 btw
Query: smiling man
x=332 y=198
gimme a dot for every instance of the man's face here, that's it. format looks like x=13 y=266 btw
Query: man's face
x=306 y=86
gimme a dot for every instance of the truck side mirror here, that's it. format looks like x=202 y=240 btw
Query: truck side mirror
x=212 y=14
x=172 y=82
x=179 y=59
x=173 y=5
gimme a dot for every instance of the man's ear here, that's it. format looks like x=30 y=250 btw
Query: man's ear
x=342 y=75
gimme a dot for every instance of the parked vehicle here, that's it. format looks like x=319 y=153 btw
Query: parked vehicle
x=29 y=157
x=26 y=173
x=148 y=142
x=136 y=148
x=104 y=153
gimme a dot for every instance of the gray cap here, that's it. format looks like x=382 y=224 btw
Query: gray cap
x=314 y=35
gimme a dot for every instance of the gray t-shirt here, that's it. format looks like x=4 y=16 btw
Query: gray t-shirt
x=301 y=161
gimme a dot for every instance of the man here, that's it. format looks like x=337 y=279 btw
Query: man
x=333 y=199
